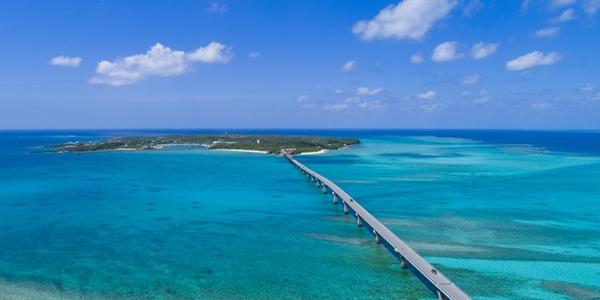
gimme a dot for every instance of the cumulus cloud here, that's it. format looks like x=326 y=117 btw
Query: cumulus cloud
x=483 y=50
x=158 y=61
x=547 y=32
x=428 y=95
x=65 y=61
x=409 y=19
x=446 y=51
x=566 y=16
x=470 y=80
x=348 y=66
x=365 y=91
x=532 y=59
x=213 y=53
x=217 y=7
x=591 y=7
x=416 y=58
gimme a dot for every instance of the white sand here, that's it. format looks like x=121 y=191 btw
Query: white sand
x=314 y=153
x=242 y=150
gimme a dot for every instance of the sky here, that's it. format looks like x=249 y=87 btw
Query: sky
x=531 y=64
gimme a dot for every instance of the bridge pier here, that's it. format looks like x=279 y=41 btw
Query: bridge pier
x=335 y=200
x=359 y=221
x=346 y=210
x=440 y=296
x=324 y=189
x=377 y=237
x=403 y=263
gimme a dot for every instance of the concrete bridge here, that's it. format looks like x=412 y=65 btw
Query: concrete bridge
x=439 y=284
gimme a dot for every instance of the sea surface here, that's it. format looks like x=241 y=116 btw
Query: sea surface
x=504 y=214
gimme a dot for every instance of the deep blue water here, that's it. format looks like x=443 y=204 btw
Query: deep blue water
x=505 y=214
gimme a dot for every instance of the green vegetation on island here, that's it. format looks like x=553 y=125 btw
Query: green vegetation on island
x=269 y=143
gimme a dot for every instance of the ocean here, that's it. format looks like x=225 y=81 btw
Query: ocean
x=504 y=214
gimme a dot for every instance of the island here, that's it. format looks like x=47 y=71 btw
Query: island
x=265 y=143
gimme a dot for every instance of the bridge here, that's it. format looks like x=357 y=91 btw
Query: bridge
x=439 y=284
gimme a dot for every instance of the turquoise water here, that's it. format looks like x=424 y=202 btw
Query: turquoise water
x=504 y=221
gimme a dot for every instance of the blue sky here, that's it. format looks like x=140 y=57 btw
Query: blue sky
x=300 y=64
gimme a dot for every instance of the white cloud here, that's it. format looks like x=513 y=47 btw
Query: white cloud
x=355 y=103
x=337 y=106
x=483 y=97
x=65 y=61
x=446 y=51
x=416 y=58
x=372 y=105
x=428 y=95
x=470 y=80
x=305 y=102
x=213 y=53
x=566 y=16
x=540 y=105
x=339 y=91
x=483 y=50
x=158 y=61
x=559 y=3
x=547 y=32
x=587 y=88
x=532 y=59
x=409 y=19
x=217 y=7
x=348 y=66
x=429 y=107
x=365 y=91
x=255 y=55
x=525 y=5
x=472 y=7
x=591 y=7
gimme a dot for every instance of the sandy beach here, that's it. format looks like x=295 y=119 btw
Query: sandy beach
x=315 y=152
x=242 y=150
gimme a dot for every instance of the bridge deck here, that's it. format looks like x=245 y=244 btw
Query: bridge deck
x=434 y=279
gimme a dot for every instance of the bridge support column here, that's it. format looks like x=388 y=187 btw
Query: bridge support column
x=377 y=237
x=346 y=210
x=324 y=189
x=440 y=296
x=403 y=263
x=335 y=201
x=359 y=221
x=312 y=179
x=318 y=183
